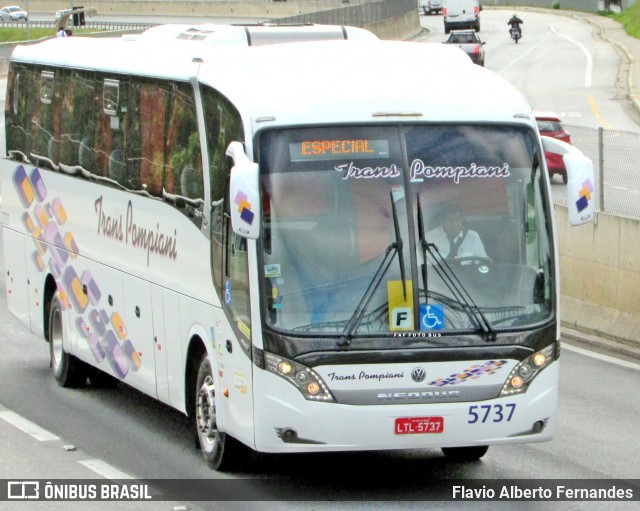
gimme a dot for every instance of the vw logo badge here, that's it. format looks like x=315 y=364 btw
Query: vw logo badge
x=418 y=374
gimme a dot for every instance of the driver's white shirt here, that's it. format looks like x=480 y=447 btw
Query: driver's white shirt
x=471 y=244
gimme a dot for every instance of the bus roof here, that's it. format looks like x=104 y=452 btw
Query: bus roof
x=380 y=81
x=308 y=82
x=252 y=35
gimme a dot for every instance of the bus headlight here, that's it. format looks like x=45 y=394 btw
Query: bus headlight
x=305 y=379
x=524 y=373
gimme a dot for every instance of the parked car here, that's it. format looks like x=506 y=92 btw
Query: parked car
x=469 y=42
x=550 y=125
x=430 y=6
x=13 y=13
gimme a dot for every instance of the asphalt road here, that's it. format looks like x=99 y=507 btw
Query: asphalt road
x=559 y=65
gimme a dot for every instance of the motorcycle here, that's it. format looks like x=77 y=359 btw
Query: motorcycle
x=516 y=34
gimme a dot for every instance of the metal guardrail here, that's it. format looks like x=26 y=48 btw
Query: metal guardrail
x=616 y=161
x=90 y=25
x=355 y=15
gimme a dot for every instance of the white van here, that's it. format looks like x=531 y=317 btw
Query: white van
x=461 y=14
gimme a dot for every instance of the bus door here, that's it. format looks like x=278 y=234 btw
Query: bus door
x=235 y=380
x=233 y=348
x=232 y=328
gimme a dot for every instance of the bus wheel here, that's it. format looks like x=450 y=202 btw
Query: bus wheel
x=220 y=451
x=67 y=369
x=465 y=453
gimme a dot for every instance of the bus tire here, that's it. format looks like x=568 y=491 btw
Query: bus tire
x=68 y=371
x=473 y=453
x=220 y=451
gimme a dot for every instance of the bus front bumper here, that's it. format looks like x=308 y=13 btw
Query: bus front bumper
x=286 y=422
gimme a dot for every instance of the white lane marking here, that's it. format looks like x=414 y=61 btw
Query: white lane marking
x=27 y=426
x=589 y=67
x=604 y=358
x=523 y=55
x=96 y=465
x=105 y=470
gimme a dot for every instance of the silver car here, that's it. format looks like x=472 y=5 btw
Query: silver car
x=431 y=6
x=13 y=13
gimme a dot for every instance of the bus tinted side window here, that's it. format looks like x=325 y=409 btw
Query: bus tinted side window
x=146 y=141
x=76 y=120
x=223 y=125
x=164 y=158
x=184 y=176
x=139 y=135
x=19 y=109
x=32 y=82
x=109 y=142
x=45 y=118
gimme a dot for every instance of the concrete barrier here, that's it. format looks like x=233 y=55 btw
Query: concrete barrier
x=600 y=276
x=401 y=28
x=226 y=8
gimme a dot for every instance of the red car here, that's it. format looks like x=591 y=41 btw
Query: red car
x=550 y=125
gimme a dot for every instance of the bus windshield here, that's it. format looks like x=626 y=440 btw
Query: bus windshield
x=351 y=214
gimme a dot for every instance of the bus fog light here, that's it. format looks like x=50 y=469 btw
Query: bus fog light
x=539 y=425
x=313 y=388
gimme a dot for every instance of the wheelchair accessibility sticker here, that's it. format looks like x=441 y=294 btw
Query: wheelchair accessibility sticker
x=432 y=316
x=227 y=291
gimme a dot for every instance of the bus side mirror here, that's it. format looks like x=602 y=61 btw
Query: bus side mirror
x=244 y=193
x=580 y=188
x=581 y=180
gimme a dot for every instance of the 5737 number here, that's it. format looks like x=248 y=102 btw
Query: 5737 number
x=491 y=413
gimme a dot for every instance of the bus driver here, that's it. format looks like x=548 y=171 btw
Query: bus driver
x=453 y=239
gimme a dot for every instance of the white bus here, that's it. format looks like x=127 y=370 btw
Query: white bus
x=241 y=232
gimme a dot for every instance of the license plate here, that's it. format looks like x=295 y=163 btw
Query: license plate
x=419 y=425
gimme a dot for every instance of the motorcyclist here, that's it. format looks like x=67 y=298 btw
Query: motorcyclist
x=515 y=22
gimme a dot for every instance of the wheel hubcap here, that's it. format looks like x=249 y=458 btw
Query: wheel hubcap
x=56 y=339
x=206 y=412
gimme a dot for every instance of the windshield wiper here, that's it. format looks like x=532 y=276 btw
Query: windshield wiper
x=424 y=246
x=449 y=277
x=394 y=248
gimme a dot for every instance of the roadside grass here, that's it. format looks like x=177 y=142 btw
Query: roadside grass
x=12 y=35
x=630 y=19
